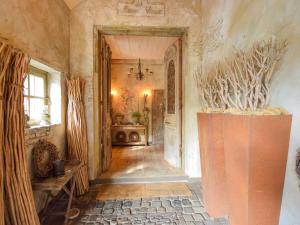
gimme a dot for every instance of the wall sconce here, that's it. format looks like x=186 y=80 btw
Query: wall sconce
x=146 y=94
x=113 y=93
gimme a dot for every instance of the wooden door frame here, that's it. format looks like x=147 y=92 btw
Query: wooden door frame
x=104 y=106
x=160 y=31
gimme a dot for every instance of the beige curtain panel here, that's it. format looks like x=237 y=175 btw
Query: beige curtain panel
x=77 y=132
x=19 y=202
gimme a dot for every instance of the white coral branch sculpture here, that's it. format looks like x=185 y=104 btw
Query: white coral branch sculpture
x=242 y=83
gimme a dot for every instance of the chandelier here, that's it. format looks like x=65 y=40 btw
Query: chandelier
x=139 y=74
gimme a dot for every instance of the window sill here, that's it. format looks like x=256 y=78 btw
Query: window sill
x=32 y=127
x=37 y=127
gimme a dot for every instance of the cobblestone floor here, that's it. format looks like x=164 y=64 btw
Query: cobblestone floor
x=149 y=211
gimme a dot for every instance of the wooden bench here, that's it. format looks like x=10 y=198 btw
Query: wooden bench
x=51 y=184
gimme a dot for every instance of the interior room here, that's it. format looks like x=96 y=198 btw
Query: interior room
x=148 y=112
x=138 y=85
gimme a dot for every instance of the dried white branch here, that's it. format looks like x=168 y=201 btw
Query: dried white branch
x=244 y=82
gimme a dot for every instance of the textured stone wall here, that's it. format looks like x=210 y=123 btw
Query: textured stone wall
x=239 y=23
x=33 y=135
x=40 y=28
x=178 y=13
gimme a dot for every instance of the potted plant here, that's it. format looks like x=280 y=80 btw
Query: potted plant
x=136 y=116
x=243 y=141
x=119 y=117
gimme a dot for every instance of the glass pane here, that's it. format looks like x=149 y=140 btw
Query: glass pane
x=26 y=86
x=37 y=86
x=36 y=108
x=26 y=106
x=31 y=84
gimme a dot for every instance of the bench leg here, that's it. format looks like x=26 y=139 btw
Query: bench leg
x=44 y=210
x=67 y=191
x=70 y=200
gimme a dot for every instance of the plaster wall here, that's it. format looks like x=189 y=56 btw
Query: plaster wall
x=178 y=13
x=131 y=87
x=40 y=28
x=229 y=23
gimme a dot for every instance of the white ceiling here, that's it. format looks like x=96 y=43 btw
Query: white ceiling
x=72 y=3
x=135 y=47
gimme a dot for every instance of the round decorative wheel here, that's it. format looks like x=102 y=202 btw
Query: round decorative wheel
x=44 y=154
x=134 y=137
x=121 y=136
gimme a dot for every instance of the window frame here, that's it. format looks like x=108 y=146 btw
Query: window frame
x=38 y=73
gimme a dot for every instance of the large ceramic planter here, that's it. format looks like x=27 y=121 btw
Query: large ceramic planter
x=210 y=126
x=256 y=150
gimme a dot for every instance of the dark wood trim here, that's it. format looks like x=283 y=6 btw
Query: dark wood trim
x=142 y=30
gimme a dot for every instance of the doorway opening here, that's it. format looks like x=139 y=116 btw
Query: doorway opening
x=140 y=104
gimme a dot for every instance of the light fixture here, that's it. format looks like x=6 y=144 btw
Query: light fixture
x=140 y=75
x=113 y=92
x=146 y=93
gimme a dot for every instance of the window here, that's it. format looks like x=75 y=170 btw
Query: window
x=36 y=96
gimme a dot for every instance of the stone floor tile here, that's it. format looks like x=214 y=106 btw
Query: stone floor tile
x=156 y=204
x=198 y=217
x=199 y=209
x=186 y=202
x=166 y=203
x=170 y=209
x=161 y=210
x=108 y=210
x=188 y=218
x=176 y=202
x=196 y=203
x=146 y=204
x=199 y=223
x=127 y=204
x=190 y=223
x=188 y=210
x=99 y=204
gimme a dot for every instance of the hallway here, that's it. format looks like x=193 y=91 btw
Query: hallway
x=140 y=162
x=150 y=112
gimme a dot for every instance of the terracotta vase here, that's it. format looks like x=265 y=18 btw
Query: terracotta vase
x=210 y=126
x=256 y=149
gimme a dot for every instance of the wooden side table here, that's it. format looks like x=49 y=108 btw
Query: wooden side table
x=59 y=183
